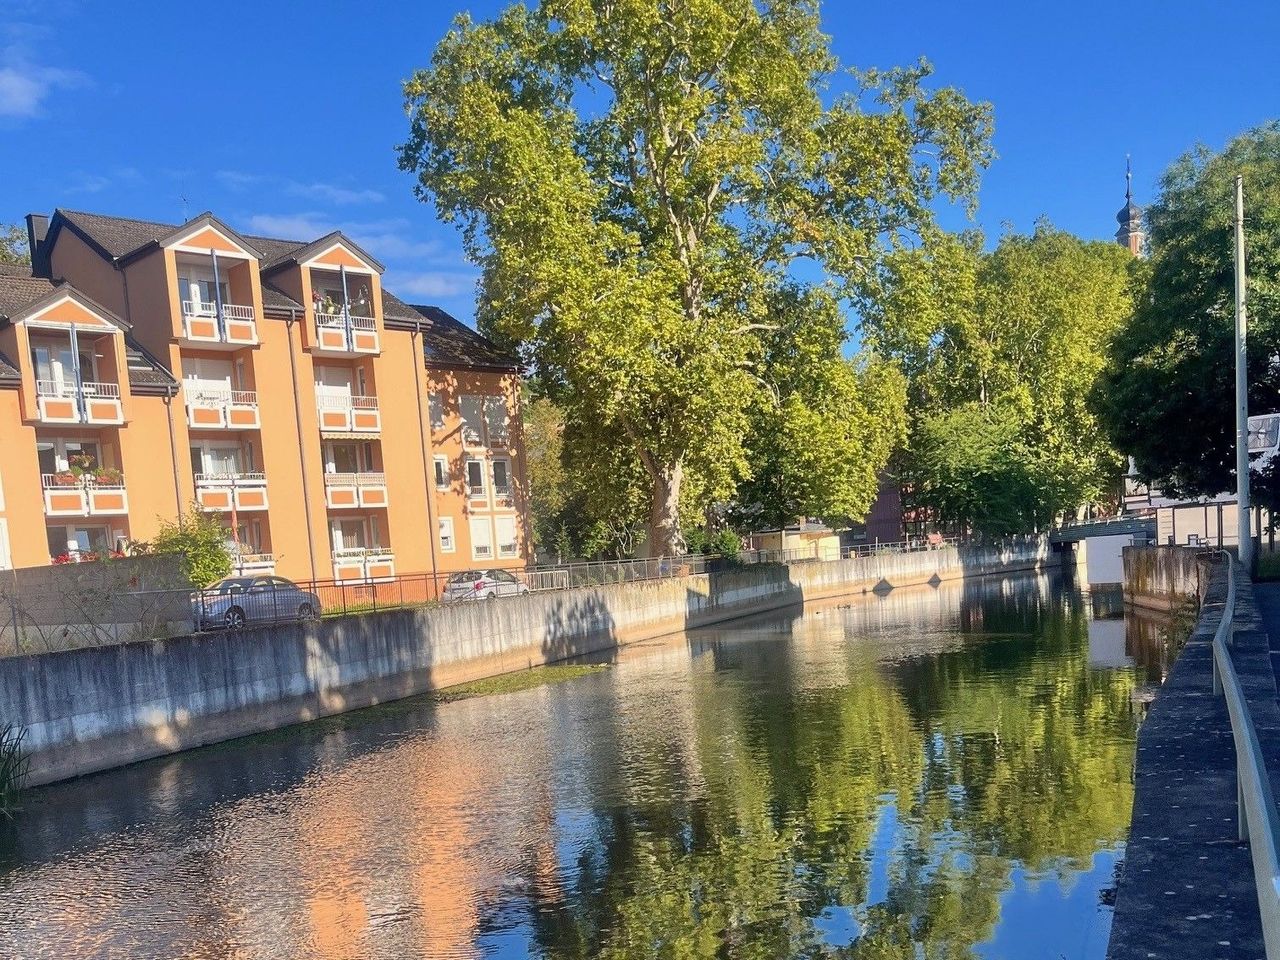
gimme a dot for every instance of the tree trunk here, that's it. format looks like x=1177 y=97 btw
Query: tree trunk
x=665 y=539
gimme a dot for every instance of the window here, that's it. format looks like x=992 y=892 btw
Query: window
x=58 y=455
x=472 y=421
x=435 y=405
x=198 y=293
x=75 y=540
x=447 y=544
x=348 y=457
x=442 y=473
x=501 y=478
x=495 y=419
x=475 y=478
x=6 y=559
x=481 y=538
x=505 y=527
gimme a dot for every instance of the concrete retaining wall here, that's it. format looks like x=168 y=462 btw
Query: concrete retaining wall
x=1164 y=577
x=91 y=709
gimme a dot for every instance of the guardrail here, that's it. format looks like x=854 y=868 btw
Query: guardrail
x=1259 y=823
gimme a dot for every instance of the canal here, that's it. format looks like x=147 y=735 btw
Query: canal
x=948 y=768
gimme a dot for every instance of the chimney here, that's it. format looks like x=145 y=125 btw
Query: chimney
x=37 y=230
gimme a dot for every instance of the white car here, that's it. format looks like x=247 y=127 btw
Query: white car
x=483 y=585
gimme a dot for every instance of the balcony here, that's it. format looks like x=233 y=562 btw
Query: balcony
x=201 y=324
x=216 y=409
x=348 y=491
x=85 y=495
x=222 y=492
x=341 y=413
x=363 y=563
x=59 y=401
x=344 y=333
x=250 y=564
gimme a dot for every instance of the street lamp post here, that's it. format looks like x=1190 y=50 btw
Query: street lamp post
x=1245 y=533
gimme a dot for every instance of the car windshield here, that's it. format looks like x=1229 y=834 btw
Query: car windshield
x=468 y=576
x=236 y=585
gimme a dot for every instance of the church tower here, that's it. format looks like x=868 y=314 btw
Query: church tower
x=1130 y=234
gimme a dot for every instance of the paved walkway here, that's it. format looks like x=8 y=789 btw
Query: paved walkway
x=1187 y=889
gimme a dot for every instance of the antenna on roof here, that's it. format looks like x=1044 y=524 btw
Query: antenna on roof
x=183 y=198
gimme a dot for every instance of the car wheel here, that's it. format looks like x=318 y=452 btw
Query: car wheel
x=491 y=596
x=234 y=618
x=306 y=612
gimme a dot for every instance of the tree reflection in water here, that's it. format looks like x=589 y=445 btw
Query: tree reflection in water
x=873 y=778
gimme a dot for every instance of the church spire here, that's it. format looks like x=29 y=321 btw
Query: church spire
x=1130 y=234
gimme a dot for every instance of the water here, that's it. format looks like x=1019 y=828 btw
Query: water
x=949 y=768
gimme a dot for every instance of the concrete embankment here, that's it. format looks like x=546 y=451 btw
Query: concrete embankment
x=1165 y=578
x=90 y=709
x=1187 y=889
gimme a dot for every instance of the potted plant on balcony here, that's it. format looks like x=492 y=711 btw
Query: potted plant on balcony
x=65 y=478
x=108 y=476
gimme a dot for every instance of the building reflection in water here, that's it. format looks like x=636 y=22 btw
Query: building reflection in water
x=918 y=767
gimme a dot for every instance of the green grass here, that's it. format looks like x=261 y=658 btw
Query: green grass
x=513 y=682
x=1268 y=566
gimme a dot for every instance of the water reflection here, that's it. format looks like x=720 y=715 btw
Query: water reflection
x=939 y=772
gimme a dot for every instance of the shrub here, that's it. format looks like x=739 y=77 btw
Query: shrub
x=201 y=539
x=14 y=766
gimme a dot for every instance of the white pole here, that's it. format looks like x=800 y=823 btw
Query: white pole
x=1242 y=392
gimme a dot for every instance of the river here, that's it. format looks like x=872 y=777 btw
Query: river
x=939 y=772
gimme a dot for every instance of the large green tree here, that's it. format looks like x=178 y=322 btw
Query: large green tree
x=13 y=244
x=638 y=181
x=1167 y=398
x=1001 y=350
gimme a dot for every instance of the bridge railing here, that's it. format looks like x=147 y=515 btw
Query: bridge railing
x=1259 y=822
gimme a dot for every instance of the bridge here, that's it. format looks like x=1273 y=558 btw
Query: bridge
x=1141 y=527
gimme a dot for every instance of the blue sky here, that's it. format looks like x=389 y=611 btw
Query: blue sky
x=282 y=117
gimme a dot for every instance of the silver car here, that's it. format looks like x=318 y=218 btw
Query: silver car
x=483 y=585
x=237 y=601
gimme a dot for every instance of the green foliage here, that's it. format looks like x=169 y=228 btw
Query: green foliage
x=1001 y=351
x=1167 y=398
x=637 y=181
x=201 y=539
x=13 y=244
x=14 y=766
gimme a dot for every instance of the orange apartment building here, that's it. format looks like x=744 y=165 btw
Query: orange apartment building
x=148 y=369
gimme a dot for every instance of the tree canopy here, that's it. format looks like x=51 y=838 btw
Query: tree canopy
x=13 y=244
x=1167 y=397
x=1001 y=350
x=638 y=182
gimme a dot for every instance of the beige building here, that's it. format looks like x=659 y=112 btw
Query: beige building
x=147 y=369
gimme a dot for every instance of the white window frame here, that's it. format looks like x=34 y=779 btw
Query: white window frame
x=473 y=426
x=493 y=469
x=448 y=542
x=484 y=480
x=500 y=436
x=514 y=545
x=435 y=411
x=441 y=470
x=484 y=526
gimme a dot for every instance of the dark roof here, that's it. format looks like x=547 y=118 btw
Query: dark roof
x=274 y=250
x=8 y=371
x=144 y=369
x=116 y=236
x=275 y=298
x=289 y=252
x=19 y=292
x=15 y=269
x=448 y=342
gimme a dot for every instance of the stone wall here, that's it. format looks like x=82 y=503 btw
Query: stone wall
x=90 y=709
x=1165 y=577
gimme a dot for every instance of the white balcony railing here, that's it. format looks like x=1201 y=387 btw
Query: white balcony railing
x=217 y=407
x=69 y=481
x=209 y=311
x=346 y=412
x=67 y=388
x=363 y=563
x=231 y=479
x=246 y=563
x=340 y=319
x=217 y=396
x=345 y=332
x=67 y=494
x=355 y=479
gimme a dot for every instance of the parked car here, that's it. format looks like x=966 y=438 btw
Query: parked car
x=483 y=585
x=236 y=601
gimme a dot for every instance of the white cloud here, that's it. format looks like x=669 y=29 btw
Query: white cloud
x=389 y=239
x=291 y=226
x=88 y=182
x=331 y=193
x=24 y=87
x=442 y=284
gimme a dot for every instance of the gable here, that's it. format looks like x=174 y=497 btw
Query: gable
x=207 y=238
x=66 y=311
x=339 y=255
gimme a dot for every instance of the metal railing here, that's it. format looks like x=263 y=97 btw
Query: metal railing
x=207 y=311
x=67 y=388
x=361 y=479
x=222 y=396
x=345 y=401
x=67 y=480
x=1259 y=823
x=339 y=319
x=231 y=479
